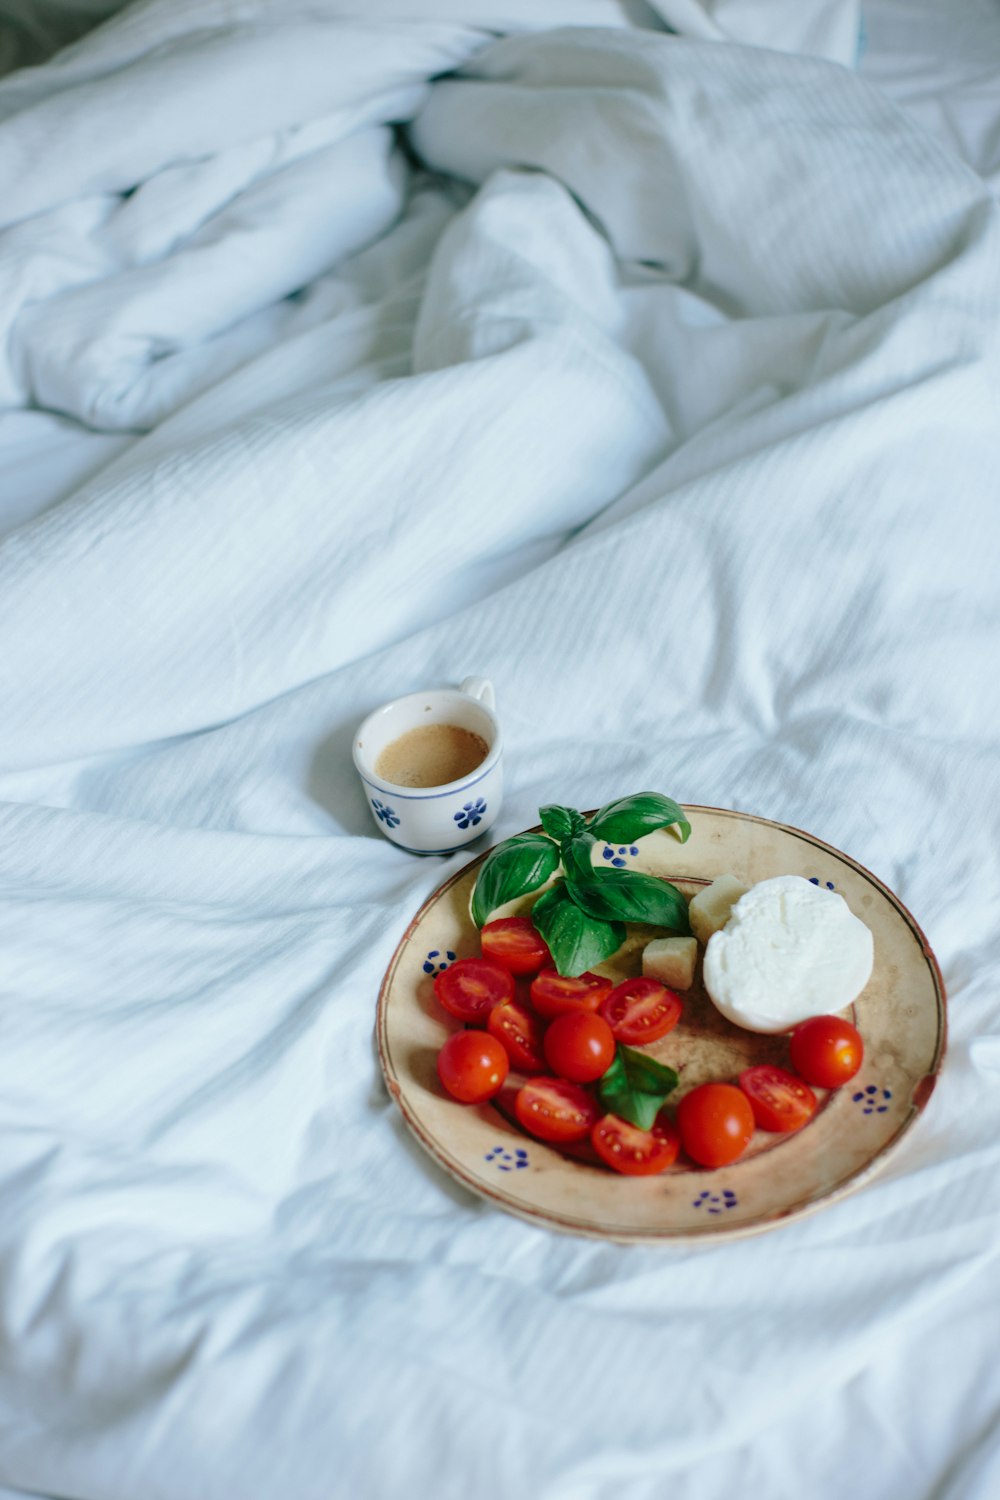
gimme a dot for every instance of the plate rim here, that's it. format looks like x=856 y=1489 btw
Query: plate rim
x=664 y=1237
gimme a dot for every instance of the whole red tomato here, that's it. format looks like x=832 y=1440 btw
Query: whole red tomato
x=472 y=1066
x=716 y=1122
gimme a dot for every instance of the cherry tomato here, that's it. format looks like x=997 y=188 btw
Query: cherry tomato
x=637 y=1153
x=579 y=1046
x=716 y=1123
x=641 y=1010
x=827 y=1051
x=470 y=988
x=472 y=1066
x=513 y=943
x=779 y=1100
x=520 y=1033
x=554 y=994
x=555 y=1110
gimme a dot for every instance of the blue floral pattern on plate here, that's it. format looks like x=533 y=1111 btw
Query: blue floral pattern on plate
x=873 y=1100
x=715 y=1202
x=471 y=813
x=507 y=1161
x=385 y=814
x=438 y=960
x=813 y=880
x=619 y=854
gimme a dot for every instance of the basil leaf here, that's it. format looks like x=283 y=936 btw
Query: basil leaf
x=627 y=896
x=635 y=1086
x=561 y=822
x=576 y=858
x=513 y=868
x=630 y=817
x=576 y=940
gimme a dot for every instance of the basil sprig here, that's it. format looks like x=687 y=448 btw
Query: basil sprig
x=575 y=940
x=629 y=818
x=635 y=1086
x=581 y=916
x=513 y=868
x=561 y=823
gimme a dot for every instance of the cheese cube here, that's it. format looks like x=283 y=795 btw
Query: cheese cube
x=671 y=961
x=711 y=908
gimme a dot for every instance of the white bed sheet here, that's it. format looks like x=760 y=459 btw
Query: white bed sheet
x=772 y=526
x=939 y=60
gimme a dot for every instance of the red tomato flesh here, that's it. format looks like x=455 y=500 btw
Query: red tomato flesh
x=826 y=1051
x=641 y=1010
x=555 y=1110
x=579 y=1046
x=554 y=994
x=513 y=943
x=520 y=1033
x=470 y=988
x=636 y=1153
x=472 y=1066
x=716 y=1123
x=780 y=1101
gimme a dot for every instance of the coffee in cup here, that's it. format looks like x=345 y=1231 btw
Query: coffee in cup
x=431 y=755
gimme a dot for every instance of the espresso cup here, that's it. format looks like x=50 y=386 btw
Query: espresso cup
x=434 y=819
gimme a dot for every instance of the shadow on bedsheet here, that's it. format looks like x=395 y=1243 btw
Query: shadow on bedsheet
x=333 y=785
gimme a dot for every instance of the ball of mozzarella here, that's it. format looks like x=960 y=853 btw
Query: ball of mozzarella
x=789 y=951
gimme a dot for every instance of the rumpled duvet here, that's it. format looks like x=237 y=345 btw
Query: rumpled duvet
x=649 y=367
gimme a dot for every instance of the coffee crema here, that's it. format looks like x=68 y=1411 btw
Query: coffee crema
x=431 y=755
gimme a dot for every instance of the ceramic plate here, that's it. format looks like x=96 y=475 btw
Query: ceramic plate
x=900 y=1014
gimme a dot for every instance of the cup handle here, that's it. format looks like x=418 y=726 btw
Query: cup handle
x=480 y=688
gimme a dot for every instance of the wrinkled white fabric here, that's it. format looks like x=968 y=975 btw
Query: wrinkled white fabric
x=823 y=28
x=940 y=61
x=243 y=151
x=666 y=397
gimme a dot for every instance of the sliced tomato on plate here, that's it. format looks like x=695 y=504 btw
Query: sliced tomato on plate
x=634 y=1152
x=780 y=1101
x=520 y=1033
x=555 y=1110
x=469 y=988
x=554 y=994
x=513 y=943
x=641 y=1010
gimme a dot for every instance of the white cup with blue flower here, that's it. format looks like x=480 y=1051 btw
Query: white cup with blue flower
x=431 y=766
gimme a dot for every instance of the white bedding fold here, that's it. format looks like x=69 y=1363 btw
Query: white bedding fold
x=178 y=143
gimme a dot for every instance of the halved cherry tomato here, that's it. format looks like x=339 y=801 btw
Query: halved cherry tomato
x=472 y=1066
x=779 y=1100
x=513 y=943
x=637 y=1153
x=579 y=1046
x=641 y=1010
x=716 y=1123
x=827 y=1051
x=555 y=1110
x=470 y=988
x=520 y=1033
x=555 y=994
